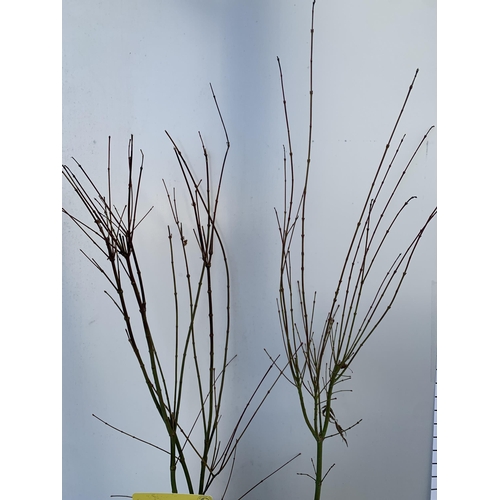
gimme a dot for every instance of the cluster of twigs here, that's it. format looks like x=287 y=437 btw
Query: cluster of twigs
x=113 y=233
x=317 y=364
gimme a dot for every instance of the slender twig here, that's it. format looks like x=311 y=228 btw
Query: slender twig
x=131 y=435
x=267 y=477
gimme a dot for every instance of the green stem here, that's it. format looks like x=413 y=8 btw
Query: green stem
x=319 y=468
x=173 y=479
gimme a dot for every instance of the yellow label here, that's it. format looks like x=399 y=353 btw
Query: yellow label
x=169 y=496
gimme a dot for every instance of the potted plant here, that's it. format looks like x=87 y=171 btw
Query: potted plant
x=319 y=361
x=197 y=336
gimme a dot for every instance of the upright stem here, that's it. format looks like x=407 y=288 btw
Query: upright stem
x=308 y=163
x=173 y=479
x=319 y=468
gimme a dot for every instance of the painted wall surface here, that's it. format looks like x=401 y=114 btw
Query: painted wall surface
x=140 y=67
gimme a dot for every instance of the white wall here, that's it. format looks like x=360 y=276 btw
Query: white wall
x=140 y=67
